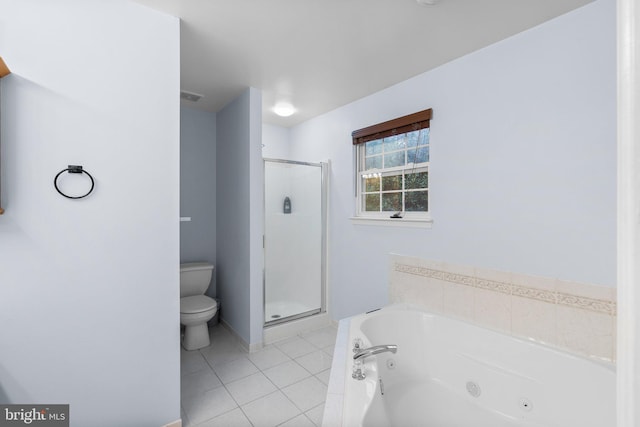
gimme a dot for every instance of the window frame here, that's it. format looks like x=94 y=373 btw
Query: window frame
x=401 y=125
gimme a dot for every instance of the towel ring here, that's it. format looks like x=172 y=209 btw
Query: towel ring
x=73 y=169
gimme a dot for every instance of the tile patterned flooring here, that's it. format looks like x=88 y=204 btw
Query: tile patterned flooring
x=284 y=384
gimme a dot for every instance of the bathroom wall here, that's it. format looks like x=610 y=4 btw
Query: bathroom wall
x=523 y=172
x=275 y=142
x=89 y=312
x=198 y=187
x=256 y=219
x=239 y=216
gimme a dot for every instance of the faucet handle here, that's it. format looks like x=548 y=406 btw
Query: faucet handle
x=357 y=372
x=357 y=345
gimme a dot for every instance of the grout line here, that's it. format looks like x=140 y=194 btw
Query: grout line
x=261 y=371
x=246 y=416
x=315 y=407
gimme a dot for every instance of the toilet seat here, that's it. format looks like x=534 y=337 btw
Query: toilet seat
x=196 y=304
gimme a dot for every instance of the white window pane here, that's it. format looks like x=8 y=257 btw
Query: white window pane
x=371 y=202
x=424 y=136
x=371 y=184
x=373 y=162
x=418 y=155
x=416 y=180
x=394 y=159
x=392 y=202
x=391 y=182
x=394 y=142
x=373 y=147
x=416 y=201
x=412 y=138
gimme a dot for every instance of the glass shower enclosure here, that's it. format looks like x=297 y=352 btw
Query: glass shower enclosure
x=294 y=240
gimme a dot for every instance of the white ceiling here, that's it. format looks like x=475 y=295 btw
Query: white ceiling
x=322 y=54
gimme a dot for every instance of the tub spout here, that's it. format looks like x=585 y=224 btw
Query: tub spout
x=376 y=349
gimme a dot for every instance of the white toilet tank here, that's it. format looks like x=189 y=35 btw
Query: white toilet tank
x=195 y=278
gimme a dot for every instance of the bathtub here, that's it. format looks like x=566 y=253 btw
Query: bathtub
x=449 y=373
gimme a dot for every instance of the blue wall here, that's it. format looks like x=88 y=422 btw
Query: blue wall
x=89 y=304
x=198 y=187
x=239 y=215
x=523 y=164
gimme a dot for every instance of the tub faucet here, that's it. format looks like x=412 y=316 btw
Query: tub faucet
x=376 y=349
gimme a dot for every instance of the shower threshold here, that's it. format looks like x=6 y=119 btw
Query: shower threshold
x=277 y=319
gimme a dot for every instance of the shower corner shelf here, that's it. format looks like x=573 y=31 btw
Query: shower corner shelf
x=4 y=70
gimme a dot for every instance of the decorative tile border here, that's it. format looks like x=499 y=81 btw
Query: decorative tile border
x=492 y=285
x=584 y=303
x=533 y=293
x=553 y=297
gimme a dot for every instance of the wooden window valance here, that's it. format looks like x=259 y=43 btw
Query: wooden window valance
x=4 y=70
x=412 y=122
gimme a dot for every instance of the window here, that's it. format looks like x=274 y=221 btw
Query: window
x=392 y=172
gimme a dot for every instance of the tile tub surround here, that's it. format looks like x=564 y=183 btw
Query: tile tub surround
x=333 y=405
x=576 y=317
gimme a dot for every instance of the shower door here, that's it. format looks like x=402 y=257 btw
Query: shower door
x=294 y=240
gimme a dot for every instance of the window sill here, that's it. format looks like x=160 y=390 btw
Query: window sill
x=393 y=222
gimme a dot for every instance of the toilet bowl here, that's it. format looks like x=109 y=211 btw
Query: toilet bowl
x=196 y=309
x=195 y=312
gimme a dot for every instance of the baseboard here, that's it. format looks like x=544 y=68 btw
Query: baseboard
x=250 y=348
x=177 y=423
x=282 y=331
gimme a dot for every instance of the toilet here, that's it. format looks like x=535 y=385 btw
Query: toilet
x=196 y=309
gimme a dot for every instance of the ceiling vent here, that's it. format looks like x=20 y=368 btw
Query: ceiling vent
x=190 y=96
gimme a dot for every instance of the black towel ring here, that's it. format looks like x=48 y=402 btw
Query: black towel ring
x=73 y=169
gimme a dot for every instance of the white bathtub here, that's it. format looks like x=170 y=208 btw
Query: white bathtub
x=448 y=373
